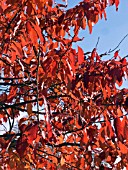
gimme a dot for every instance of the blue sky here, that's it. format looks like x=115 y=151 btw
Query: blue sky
x=111 y=32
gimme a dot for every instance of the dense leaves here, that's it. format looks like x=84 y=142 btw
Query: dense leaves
x=61 y=105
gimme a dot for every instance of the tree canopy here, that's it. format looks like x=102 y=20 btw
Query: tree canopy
x=76 y=117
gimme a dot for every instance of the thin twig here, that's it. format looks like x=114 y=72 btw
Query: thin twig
x=97 y=42
x=110 y=51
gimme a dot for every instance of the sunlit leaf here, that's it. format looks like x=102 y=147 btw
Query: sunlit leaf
x=123 y=148
x=62 y=161
x=83 y=23
x=80 y=55
x=90 y=26
x=85 y=137
x=119 y=128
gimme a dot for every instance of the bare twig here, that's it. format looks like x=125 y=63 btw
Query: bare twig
x=110 y=51
x=97 y=42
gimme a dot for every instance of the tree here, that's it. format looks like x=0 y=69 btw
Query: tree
x=76 y=117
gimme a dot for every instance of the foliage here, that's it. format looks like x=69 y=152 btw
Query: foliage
x=76 y=115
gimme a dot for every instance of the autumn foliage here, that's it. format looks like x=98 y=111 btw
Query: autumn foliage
x=76 y=117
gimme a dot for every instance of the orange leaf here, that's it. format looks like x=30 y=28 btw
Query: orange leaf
x=82 y=162
x=80 y=55
x=83 y=23
x=62 y=161
x=72 y=58
x=104 y=93
x=18 y=49
x=76 y=38
x=13 y=56
x=123 y=148
x=32 y=33
x=117 y=3
x=119 y=128
x=90 y=26
x=85 y=137
x=119 y=112
x=39 y=32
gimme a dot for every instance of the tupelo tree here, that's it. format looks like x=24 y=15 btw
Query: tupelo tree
x=76 y=117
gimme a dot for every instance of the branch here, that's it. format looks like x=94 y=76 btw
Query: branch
x=14 y=84
x=64 y=144
x=10 y=135
x=97 y=42
x=110 y=51
x=9 y=78
x=5 y=106
x=25 y=110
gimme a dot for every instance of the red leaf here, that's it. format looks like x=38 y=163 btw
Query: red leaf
x=80 y=120
x=85 y=137
x=12 y=93
x=123 y=148
x=32 y=33
x=116 y=54
x=125 y=126
x=94 y=54
x=90 y=26
x=13 y=56
x=83 y=23
x=21 y=145
x=119 y=128
x=117 y=3
x=76 y=38
x=80 y=55
x=22 y=127
x=110 y=131
x=72 y=61
x=126 y=104
x=21 y=121
x=32 y=133
x=38 y=31
x=124 y=61
x=5 y=119
x=60 y=19
x=111 y=2
x=104 y=93
x=49 y=130
x=3 y=97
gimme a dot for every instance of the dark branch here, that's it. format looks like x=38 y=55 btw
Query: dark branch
x=64 y=144
x=110 y=51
